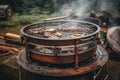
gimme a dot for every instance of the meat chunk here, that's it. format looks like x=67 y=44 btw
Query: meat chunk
x=47 y=34
x=77 y=35
x=58 y=34
x=65 y=29
x=50 y=30
x=36 y=31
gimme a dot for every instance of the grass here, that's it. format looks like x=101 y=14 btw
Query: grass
x=24 y=19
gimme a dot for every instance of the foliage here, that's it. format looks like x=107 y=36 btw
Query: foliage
x=30 y=6
x=29 y=11
x=24 y=19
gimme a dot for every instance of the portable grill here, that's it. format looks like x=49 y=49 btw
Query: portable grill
x=63 y=56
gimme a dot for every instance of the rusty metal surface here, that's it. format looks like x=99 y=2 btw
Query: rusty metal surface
x=113 y=36
x=51 y=58
x=57 y=42
x=44 y=70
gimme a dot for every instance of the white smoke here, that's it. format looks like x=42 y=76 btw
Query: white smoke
x=106 y=4
x=81 y=7
x=78 y=6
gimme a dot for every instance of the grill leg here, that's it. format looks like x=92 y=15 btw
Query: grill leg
x=76 y=55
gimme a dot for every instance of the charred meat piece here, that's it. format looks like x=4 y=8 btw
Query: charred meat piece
x=74 y=29
x=83 y=34
x=58 y=34
x=47 y=34
x=31 y=31
x=77 y=35
x=50 y=30
x=41 y=30
x=36 y=31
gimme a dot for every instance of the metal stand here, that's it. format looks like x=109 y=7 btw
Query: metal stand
x=100 y=61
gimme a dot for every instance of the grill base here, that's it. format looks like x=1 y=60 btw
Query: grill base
x=100 y=60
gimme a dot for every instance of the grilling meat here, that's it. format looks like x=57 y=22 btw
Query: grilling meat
x=47 y=34
x=41 y=30
x=58 y=34
x=77 y=35
x=50 y=30
x=74 y=29
x=32 y=31
x=36 y=31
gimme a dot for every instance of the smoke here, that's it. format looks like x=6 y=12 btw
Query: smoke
x=81 y=7
x=106 y=4
x=78 y=6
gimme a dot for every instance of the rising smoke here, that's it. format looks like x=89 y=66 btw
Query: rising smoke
x=80 y=7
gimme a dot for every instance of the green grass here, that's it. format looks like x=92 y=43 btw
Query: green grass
x=24 y=19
